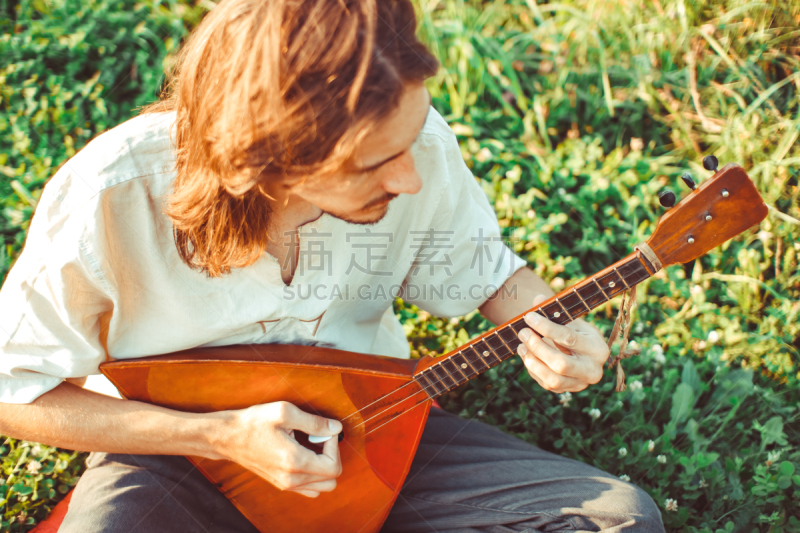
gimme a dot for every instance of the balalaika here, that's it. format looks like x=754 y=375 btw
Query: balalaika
x=383 y=402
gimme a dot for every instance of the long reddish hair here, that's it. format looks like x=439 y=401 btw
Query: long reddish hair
x=265 y=89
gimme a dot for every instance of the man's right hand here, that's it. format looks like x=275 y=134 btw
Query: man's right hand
x=261 y=439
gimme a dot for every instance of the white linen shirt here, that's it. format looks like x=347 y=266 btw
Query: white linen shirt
x=100 y=277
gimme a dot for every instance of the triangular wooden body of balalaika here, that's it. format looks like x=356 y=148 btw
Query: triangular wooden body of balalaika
x=376 y=455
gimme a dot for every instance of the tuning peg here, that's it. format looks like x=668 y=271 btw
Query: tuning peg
x=666 y=198
x=710 y=163
x=687 y=179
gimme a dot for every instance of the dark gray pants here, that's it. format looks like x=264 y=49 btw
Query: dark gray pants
x=466 y=476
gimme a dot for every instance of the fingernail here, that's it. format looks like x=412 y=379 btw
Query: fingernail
x=525 y=334
x=522 y=349
x=533 y=318
x=334 y=426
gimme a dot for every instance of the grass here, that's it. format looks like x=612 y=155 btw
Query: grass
x=574 y=115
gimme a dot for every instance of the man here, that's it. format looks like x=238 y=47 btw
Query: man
x=293 y=130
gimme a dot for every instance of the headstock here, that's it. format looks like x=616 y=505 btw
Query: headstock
x=722 y=207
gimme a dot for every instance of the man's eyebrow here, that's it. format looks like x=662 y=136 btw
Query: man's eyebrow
x=395 y=156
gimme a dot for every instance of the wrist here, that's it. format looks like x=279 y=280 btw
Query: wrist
x=212 y=432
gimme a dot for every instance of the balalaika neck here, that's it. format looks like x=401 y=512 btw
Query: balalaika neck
x=497 y=345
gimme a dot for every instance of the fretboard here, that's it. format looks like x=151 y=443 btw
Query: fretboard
x=497 y=345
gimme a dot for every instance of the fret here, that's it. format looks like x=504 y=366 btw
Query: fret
x=475 y=358
x=430 y=384
x=443 y=380
x=453 y=370
x=622 y=278
x=468 y=370
x=596 y=298
x=575 y=291
x=552 y=312
x=611 y=283
x=509 y=335
x=601 y=288
x=564 y=308
x=511 y=351
x=497 y=345
x=486 y=351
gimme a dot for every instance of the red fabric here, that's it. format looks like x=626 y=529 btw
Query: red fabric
x=53 y=522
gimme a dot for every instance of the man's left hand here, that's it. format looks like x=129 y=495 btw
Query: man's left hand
x=562 y=358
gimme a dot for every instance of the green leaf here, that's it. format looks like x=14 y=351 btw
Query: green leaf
x=21 y=489
x=705 y=459
x=690 y=376
x=786 y=468
x=682 y=402
x=771 y=432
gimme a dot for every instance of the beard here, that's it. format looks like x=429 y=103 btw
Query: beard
x=372 y=212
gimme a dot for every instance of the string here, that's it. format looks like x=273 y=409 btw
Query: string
x=582 y=307
x=441 y=381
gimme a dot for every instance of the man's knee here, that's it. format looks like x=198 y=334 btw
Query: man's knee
x=648 y=515
x=636 y=509
x=618 y=505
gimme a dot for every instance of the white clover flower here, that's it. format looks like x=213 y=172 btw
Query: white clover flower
x=671 y=505
x=636 y=385
x=773 y=456
x=595 y=413
x=713 y=336
x=662 y=459
x=36 y=450
x=565 y=398
x=657 y=348
x=633 y=344
x=625 y=477
x=651 y=445
x=658 y=354
x=34 y=467
x=623 y=451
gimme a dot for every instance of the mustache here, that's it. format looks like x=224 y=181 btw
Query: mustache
x=388 y=197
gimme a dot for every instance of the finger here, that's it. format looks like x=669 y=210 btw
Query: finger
x=308 y=493
x=319 y=486
x=539 y=298
x=330 y=452
x=301 y=460
x=548 y=379
x=289 y=417
x=563 y=335
x=561 y=364
x=585 y=369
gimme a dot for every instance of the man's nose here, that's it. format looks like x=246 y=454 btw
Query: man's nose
x=403 y=177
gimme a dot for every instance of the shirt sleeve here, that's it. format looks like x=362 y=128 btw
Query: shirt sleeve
x=461 y=259
x=52 y=301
